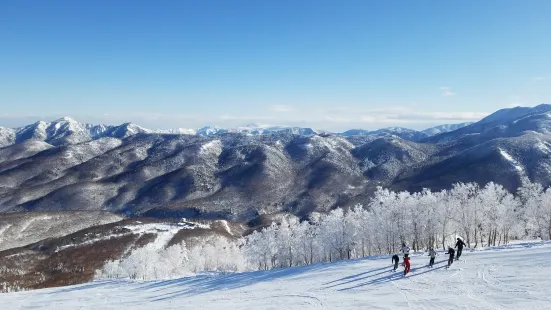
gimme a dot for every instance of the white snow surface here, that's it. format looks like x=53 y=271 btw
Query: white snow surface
x=512 y=160
x=509 y=277
x=20 y=229
x=165 y=232
x=212 y=147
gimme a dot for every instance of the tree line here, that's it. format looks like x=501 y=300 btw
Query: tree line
x=482 y=216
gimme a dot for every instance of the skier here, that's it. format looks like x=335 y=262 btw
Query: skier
x=395 y=261
x=432 y=254
x=451 y=252
x=459 y=245
x=405 y=251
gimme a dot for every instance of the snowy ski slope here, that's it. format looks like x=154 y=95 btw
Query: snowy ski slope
x=512 y=277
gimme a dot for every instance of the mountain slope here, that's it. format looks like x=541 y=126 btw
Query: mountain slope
x=404 y=133
x=7 y=136
x=444 y=128
x=474 y=283
x=66 y=131
x=243 y=176
x=62 y=131
x=497 y=124
x=71 y=254
x=19 y=229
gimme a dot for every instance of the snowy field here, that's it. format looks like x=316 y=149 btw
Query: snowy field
x=513 y=277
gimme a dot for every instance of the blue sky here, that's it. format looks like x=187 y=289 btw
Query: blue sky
x=326 y=64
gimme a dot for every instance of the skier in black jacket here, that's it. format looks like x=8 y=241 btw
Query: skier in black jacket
x=459 y=245
x=451 y=252
x=395 y=260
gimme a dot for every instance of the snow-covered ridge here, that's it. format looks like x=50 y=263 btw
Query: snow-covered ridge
x=19 y=229
x=66 y=130
x=144 y=228
x=164 y=233
x=445 y=128
x=213 y=147
x=509 y=122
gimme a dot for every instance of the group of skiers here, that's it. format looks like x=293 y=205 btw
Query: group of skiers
x=432 y=254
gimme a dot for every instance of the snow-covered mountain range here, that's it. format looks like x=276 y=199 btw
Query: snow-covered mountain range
x=75 y=185
x=65 y=131
x=255 y=170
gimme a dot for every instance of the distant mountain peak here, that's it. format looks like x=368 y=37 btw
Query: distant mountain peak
x=544 y=107
x=255 y=125
x=509 y=114
x=65 y=119
x=445 y=128
x=67 y=130
x=245 y=171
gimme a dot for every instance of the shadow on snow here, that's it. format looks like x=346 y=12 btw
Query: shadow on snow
x=389 y=278
x=209 y=283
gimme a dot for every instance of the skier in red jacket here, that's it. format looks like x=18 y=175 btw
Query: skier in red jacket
x=405 y=250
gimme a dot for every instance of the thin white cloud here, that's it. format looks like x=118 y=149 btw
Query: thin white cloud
x=405 y=116
x=447 y=92
x=542 y=78
x=244 y=118
x=281 y=108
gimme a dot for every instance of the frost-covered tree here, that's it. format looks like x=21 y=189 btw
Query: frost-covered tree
x=544 y=218
x=387 y=217
x=307 y=242
x=535 y=209
x=360 y=223
x=335 y=231
x=509 y=218
x=445 y=215
x=493 y=200
x=149 y=263
x=487 y=215
x=217 y=254
x=429 y=202
x=261 y=247
x=464 y=198
x=287 y=245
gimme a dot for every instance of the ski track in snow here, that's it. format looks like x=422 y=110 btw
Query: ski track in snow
x=164 y=232
x=515 y=277
x=512 y=160
x=4 y=229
